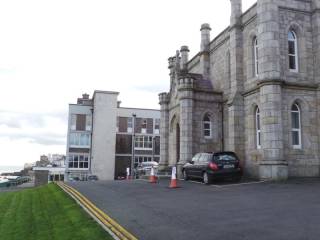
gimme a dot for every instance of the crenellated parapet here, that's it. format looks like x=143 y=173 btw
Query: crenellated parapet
x=186 y=83
x=163 y=98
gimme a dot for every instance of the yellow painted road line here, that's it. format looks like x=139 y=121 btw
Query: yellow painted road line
x=116 y=228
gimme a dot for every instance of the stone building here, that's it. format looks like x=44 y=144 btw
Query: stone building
x=253 y=89
x=104 y=139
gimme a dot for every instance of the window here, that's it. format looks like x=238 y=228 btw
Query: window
x=138 y=159
x=207 y=126
x=292 y=51
x=73 y=121
x=78 y=160
x=144 y=126
x=118 y=120
x=79 y=139
x=88 y=122
x=255 y=55
x=143 y=142
x=295 y=126
x=129 y=125
x=157 y=126
x=258 y=129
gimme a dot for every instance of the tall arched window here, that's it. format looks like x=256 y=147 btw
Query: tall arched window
x=207 y=126
x=296 y=126
x=292 y=51
x=258 y=129
x=255 y=56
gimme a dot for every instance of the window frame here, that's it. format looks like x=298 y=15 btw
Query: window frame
x=258 y=127
x=298 y=130
x=204 y=129
x=295 y=55
x=84 y=162
x=140 y=142
x=256 y=56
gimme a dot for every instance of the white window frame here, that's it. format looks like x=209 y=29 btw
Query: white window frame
x=83 y=161
x=88 y=122
x=144 y=123
x=258 y=128
x=141 y=144
x=298 y=130
x=157 y=126
x=73 y=122
x=75 y=140
x=129 y=126
x=295 y=42
x=207 y=129
x=255 y=56
x=141 y=159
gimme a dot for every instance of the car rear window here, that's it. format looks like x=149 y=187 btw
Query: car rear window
x=225 y=157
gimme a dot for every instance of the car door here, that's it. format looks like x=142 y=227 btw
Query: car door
x=190 y=168
x=201 y=165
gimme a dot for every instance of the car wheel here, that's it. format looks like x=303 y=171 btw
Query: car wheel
x=185 y=175
x=206 y=178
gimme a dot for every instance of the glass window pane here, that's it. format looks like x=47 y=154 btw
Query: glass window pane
x=291 y=47
x=295 y=138
x=85 y=165
x=295 y=120
x=292 y=62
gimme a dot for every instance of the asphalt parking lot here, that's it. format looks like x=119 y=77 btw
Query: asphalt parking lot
x=249 y=210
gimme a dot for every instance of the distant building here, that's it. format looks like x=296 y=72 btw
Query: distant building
x=101 y=136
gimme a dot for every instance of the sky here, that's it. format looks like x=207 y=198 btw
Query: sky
x=53 y=51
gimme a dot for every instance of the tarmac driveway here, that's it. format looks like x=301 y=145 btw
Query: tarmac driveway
x=289 y=210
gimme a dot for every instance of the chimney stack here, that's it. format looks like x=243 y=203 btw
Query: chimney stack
x=236 y=12
x=205 y=37
x=85 y=96
x=184 y=50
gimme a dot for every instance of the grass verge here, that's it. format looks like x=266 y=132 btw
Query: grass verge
x=45 y=213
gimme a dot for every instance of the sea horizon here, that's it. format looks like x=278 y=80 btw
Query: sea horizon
x=10 y=168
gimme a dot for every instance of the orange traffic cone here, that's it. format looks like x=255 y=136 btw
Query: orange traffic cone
x=152 y=178
x=173 y=183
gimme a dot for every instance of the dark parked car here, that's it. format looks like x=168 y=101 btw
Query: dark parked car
x=210 y=166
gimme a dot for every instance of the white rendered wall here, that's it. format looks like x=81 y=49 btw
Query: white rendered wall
x=104 y=134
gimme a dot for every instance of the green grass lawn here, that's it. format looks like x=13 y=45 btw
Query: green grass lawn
x=45 y=213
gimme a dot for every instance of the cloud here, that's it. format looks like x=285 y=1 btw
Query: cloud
x=41 y=128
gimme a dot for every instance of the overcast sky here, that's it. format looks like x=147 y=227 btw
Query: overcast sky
x=53 y=51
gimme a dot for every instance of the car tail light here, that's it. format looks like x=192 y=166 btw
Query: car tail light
x=213 y=166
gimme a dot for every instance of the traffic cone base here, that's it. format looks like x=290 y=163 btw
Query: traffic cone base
x=173 y=183
x=152 y=178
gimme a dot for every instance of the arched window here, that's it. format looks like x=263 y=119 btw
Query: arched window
x=207 y=126
x=296 y=126
x=255 y=56
x=258 y=129
x=228 y=69
x=292 y=51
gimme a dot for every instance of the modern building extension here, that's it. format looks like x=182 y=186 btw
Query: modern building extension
x=104 y=138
